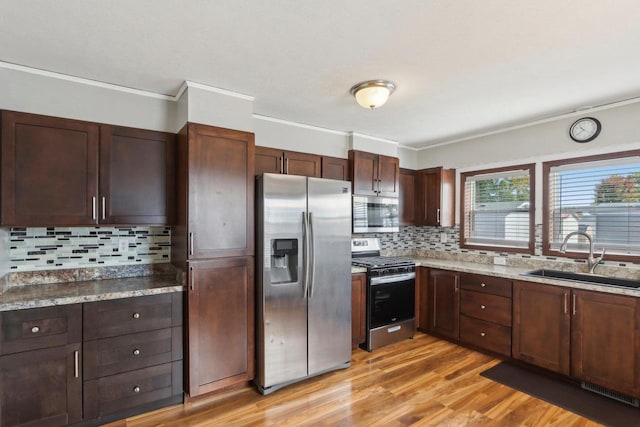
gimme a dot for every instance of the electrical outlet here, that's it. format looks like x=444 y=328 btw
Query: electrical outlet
x=499 y=260
x=123 y=245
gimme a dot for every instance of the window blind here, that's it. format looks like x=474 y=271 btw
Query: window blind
x=497 y=208
x=601 y=199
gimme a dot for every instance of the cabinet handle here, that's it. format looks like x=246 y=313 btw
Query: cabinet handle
x=482 y=334
x=190 y=243
x=93 y=208
x=136 y=389
x=136 y=315
x=566 y=300
x=482 y=285
x=76 y=364
x=282 y=164
x=482 y=306
x=35 y=330
x=104 y=207
x=574 y=304
x=136 y=352
x=286 y=166
x=457 y=285
x=438 y=216
x=379 y=189
x=191 y=279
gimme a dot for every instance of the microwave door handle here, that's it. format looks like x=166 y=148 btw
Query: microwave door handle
x=305 y=256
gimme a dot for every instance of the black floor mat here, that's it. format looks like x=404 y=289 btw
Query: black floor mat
x=597 y=408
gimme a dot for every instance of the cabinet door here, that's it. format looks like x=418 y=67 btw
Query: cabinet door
x=302 y=164
x=436 y=194
x=335 y=168
x=221 y=192
x=364 y=172
x=541 y=325
x=407 y=194
x=358 y=309
x=605 y=340
x=49 y=171
x=137 y=176
x=220 y=324
x=41 y=387
x=444 y=304
x=268 y=160
x=422 y=283
x=388 y=176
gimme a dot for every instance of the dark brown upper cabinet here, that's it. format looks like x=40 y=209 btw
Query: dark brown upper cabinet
x=374 y=174
x=62 y=172
x=335 y=168
x=137 y=176
x=273 y=160
x=407 y=202
x=436 y=197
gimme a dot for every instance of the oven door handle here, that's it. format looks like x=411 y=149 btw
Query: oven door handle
x=391 y=279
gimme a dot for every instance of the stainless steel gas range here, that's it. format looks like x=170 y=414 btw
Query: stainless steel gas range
x=390 y=293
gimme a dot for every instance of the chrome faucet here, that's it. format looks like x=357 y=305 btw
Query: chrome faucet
x=592 y=262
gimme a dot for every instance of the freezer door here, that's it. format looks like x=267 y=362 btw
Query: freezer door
x=282 y=306
x=329 y=302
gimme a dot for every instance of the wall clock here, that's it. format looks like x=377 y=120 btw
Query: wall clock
x=585 y=129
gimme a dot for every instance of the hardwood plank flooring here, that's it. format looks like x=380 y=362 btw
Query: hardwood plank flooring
x=421 y=382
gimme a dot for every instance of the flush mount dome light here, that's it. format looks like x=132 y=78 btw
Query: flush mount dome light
x=373 y=93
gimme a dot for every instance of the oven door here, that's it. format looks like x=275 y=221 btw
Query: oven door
x=391 y=299
x=375 y=214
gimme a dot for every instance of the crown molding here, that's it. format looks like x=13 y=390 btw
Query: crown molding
x=213 y=89
x=374 y=138
x=300 y=125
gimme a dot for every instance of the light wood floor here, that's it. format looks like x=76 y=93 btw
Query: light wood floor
x=421 y=382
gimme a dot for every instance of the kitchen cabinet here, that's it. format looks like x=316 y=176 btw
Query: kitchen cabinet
x=40 y=372
x=221 y=324
x=485 y=312
x=422 y=299
x=591 y=336
x=50 y=174
x=436 y=197
x=273 y=160
x=374 y=174
x=358 y=309
x=407 y=197
x=335 y=168
x=132 y=355
x=444 y=303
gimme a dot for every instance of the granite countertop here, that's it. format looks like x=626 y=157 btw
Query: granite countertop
x=43 y=295
x=515 y=273
x=355 y=269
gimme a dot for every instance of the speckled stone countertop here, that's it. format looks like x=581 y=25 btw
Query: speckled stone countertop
x=515 y=273
x=355 y=269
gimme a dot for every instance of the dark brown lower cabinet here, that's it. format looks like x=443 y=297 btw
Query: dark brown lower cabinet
x=41 y=387
x=358 y=309
x=444 y=303
x=220 y=324
x=542 y=325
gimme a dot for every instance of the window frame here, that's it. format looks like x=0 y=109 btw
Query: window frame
x=546 y=205
x=531 y=168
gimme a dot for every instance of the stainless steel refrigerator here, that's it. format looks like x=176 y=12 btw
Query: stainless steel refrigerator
x=304 y=278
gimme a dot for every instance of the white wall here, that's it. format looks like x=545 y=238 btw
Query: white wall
x=373 y=145
x=215 y=107
x=408 y=157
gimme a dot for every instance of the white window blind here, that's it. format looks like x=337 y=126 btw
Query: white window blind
x=601 y=199
x=497 y=208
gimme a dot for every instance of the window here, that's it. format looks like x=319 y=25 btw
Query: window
x=597 y=195
x=498 y=209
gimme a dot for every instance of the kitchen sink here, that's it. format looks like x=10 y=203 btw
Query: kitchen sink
x=582 y=277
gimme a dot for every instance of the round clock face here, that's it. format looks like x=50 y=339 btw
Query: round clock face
x=585 y=129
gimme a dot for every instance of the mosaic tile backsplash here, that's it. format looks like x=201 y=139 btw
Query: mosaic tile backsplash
x=51 y=248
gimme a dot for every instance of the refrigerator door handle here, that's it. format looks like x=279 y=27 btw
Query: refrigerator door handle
x=312 y=256
x=305 y=255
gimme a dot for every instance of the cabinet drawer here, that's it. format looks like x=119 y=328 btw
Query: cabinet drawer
x=111 y=356
x=112 y=318
x=491 y=308
x=115 y=393
x=487 y=335
x=36 y=328
x=486 y=284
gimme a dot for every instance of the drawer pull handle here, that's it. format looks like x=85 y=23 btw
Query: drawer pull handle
x=136 y=315
x=35 y=330
x=482 y=334
x=136 y=352
x=482 y=307
x=136 y=389
x=482 y=285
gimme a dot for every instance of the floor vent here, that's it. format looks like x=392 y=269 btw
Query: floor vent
x=611 y=394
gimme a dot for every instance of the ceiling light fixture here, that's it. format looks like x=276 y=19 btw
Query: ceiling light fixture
x=373 y=93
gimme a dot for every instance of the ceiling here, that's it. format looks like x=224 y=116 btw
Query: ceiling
x=462 y=67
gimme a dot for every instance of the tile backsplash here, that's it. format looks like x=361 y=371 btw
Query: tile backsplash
x=50 y=248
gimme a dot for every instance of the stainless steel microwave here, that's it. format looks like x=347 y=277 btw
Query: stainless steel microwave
x=375 y=214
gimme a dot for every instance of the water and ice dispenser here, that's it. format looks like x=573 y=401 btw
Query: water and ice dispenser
x=284 y=261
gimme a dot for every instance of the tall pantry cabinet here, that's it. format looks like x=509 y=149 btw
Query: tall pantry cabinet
x=214 y=243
